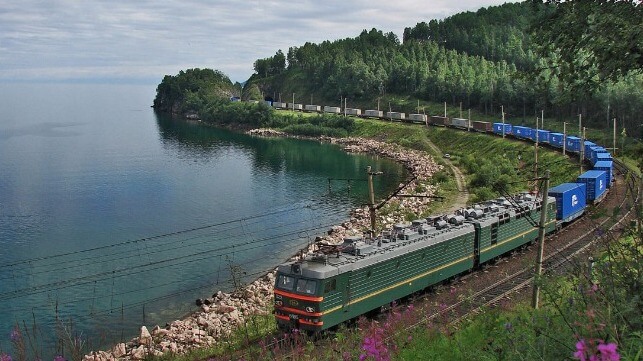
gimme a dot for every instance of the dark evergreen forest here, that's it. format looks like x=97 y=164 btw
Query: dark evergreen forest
x=482 y=59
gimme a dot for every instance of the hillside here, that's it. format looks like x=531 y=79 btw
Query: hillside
x=482 y=60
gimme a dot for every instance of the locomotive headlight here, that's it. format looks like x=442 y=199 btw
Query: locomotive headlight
x=310 y=309
x=279 y=303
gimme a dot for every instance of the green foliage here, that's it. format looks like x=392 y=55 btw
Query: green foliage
x=589 y=42
x=191 y=89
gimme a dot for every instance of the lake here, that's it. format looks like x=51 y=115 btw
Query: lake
x=112 y=216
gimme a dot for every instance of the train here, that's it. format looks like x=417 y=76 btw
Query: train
x=337 y=283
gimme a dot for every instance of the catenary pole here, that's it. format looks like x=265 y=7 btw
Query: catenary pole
x=541 y=242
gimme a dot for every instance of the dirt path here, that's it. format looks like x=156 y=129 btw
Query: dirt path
x=463 y=193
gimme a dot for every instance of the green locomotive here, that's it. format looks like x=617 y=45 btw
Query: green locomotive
x=338 y=283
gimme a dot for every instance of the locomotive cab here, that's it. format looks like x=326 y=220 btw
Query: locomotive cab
x=298 y=300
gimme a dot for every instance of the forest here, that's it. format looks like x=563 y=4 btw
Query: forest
x=496 y=56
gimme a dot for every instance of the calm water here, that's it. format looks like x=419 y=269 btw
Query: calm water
x=112 y=216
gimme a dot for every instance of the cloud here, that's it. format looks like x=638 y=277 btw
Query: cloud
x=68 y=39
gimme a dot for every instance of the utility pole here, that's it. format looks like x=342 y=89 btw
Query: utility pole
x=293 y=102
x=542 y=119
x=614 y=139
x=345 y=107
x=582 y=150
x=580 y=135
x=445 y=109
x=371 y=201
x=541 y=241
x=502 y=110
x=460 y=110
x=564 y=137
x=536 y=158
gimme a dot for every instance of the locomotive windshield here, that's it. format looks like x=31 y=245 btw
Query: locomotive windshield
x=306 y=286
x=285 y=282
x=303 y=286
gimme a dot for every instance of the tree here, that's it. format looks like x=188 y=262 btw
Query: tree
x=588 y=42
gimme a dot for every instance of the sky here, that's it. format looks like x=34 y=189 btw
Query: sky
x=143 y=40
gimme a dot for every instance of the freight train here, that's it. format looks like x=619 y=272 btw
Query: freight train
x=337 y=283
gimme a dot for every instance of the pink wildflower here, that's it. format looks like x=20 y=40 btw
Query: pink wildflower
x=581 y=351
x=5 y=357
x=608 y=352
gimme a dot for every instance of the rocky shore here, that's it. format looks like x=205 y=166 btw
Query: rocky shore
x=222 y=313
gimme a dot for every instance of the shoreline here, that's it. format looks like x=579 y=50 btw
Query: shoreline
x=218 y=316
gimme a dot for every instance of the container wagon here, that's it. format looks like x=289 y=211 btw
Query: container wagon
x=353 y=111
x=417 y=118
x=459 y=123
x=521 y=132
x=596 y=183
x=279 y=105
x=570 y=201
x=540 y=135
x=480 y=126
x=373 y=113
x=334 y=110
x=588 y=149
x=606 y=166
x=295 y=106
x=572 y=144
x=595 y=151
x=313 y=108
x=438 y=120
x=557 y=139
x=395 y=115
x=603 y=157
x=502 y=128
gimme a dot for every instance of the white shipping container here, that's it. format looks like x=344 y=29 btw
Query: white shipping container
x=417 y=118
x=373 y=113
x=353 y=111
x=313 y=108
x=335 y=110
x=395 y=115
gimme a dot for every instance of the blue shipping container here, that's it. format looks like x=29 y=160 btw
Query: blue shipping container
x=521 y=132
x=607 y=167
x=556 y=139
x=596 y=182
x=588 y=149
x=543 y=135
x=570 y=200
x=572 y=144
x=497 y=128
x=600 y=157
x=595 y=151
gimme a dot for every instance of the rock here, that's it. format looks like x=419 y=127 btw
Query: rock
x=145 y=338
x=119 y=350
x=138 y=353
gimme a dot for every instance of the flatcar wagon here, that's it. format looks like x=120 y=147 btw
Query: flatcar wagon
x=459 y=123
x=373 y=113
x=334 y=110
x=481 y=126
x=417 y=118
x=502 y=128
x=438 y=120
x=395 y=115
x=353 y=111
